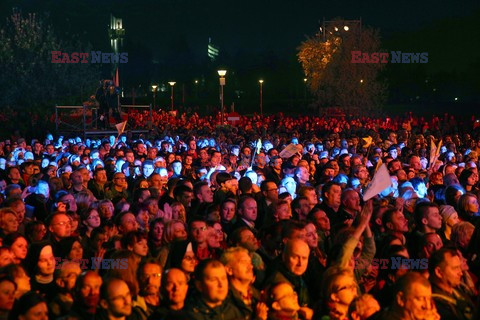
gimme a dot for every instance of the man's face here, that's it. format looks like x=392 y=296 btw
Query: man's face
x=199 y=231
x=421 y=190
x=14 y=174
x=277 y=164
x=362 y=174
x=214 y=285
x=69 y=275
x=249 y=210
x=451 y=270
x=249 y=241
x=141 y=149
x=352 y=201
x=433 y=243
x=216 y=159
x=285 y=298
x=177 y=168
x=130 y=157
x=9 y=222
x=176 y=286
x=241 y=267
x=76 y=178
x=321 y=220
x=206 y=194
x=150 y=279
x=433 y=219
x=152 y=153
x=312 y=198
x=147 y=170
x=415 y=163
x=346 y=289
x=333 y=196
x=272 y=192
x=303 y=175
x=60 y=226
x=119 y=300
x=418 y=301
x=101 y=177
x=296 y=260
x=129 y=223
x=399 y=223
x=186 y=199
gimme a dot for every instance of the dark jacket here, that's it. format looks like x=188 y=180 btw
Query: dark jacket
x=281 y=274
x=196 y=309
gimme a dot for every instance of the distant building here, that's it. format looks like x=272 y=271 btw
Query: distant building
x=213 y=50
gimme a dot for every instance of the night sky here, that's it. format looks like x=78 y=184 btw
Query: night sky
x=174 y=33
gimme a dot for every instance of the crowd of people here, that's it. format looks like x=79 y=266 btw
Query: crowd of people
x=265 y=220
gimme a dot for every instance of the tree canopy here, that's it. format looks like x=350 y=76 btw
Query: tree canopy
x=28 y=78
x=331 y=75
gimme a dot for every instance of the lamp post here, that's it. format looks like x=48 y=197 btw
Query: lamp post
x=261 y=97
x=222 y=74
x=154 y=89
x=305 y=88
x=172 y=83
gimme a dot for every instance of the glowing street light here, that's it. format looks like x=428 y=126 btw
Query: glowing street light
x=172 y=83
x=261 y=97
x=222 y=74
x=154 y=89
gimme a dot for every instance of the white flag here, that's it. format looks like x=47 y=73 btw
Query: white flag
x=381 y=181
x=121 y=127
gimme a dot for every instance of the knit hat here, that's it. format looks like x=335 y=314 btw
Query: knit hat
x=446 y=212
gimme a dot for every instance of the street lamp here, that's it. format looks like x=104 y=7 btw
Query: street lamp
x=154 y=89
x=222 y=74
x=172 y=83
x=261 y=97
x=305 y=88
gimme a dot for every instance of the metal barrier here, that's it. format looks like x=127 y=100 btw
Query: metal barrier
x=150 y=123
x=73 y=127
x=84 y=125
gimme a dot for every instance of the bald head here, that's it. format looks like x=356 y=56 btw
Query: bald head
x=295 y=256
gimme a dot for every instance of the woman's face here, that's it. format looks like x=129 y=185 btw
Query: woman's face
x=228 y=211
x=142 y=218
x=141 y=248
x=472 y=204
x=76 y=253
x=179 y=232
x=452 y=220
x=37 y=312
x=46 y=262
x=472 y=180
x=7 y=295
x=93 y=221
x=23 y=282
x=106 y=211
x=158 y=231
x=283 y=212
x=189 y=262
x=179 y=213
x=213 y=239
x=19 y=248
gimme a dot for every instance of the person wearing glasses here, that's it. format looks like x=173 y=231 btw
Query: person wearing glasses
x=283 y=304
x=149 y=277
x=115 y=300
x=118 y=190
x=59 y=228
